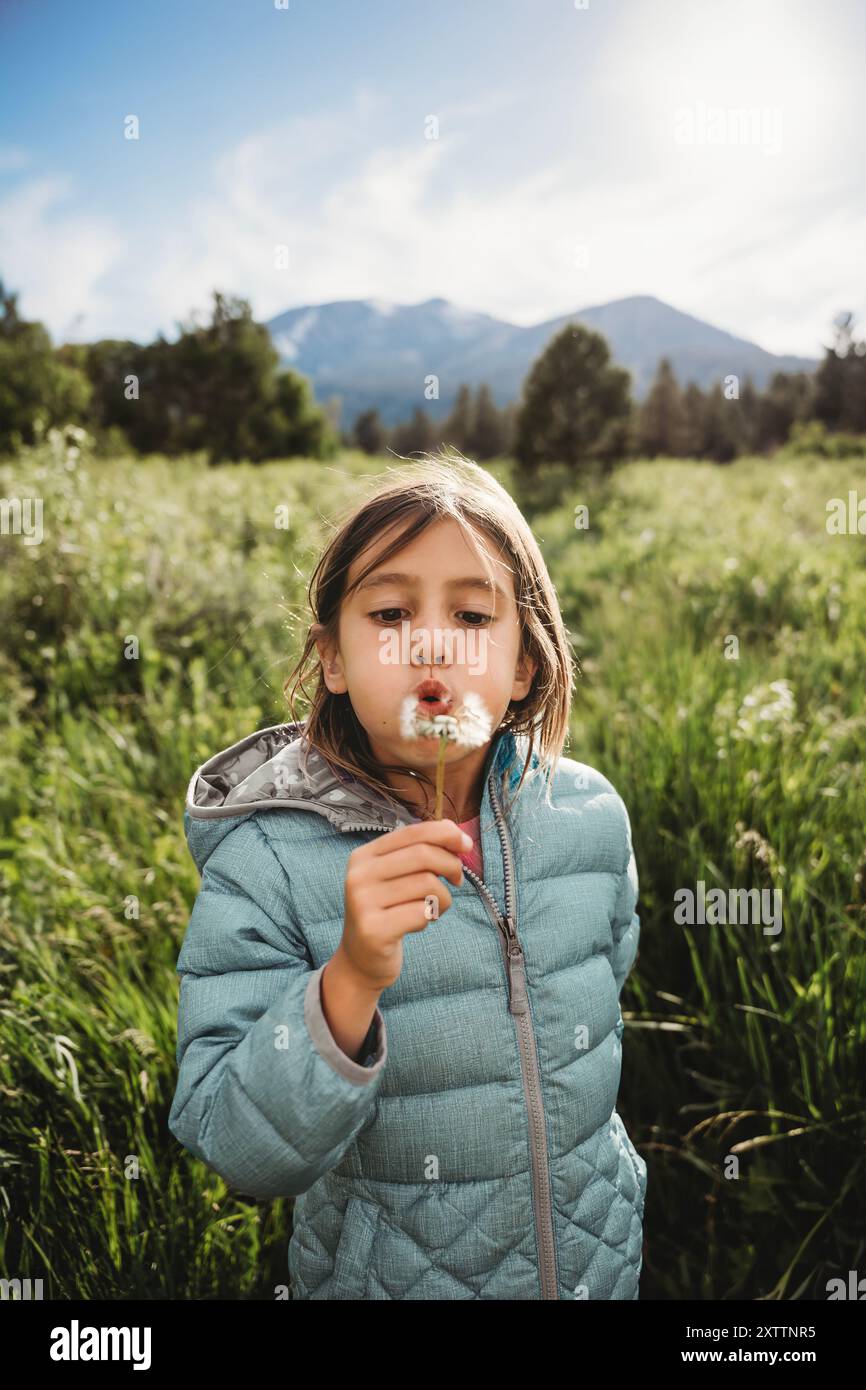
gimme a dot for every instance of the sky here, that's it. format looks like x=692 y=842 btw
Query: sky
x=523 y=158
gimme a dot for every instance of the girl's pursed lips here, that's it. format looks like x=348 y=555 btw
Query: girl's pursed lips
x=433 y=696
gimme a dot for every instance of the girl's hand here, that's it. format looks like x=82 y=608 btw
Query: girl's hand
x=387 y=881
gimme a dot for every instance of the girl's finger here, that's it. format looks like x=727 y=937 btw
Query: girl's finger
x=417 y=858
x=434 y=832
x=412 y=888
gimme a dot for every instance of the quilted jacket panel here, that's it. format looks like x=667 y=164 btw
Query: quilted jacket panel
x=427 y=1171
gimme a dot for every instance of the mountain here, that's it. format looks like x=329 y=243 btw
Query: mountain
x=373 y=352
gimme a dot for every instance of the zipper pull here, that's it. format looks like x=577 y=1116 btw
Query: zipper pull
x=516 y=968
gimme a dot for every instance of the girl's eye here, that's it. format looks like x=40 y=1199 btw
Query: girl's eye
x=387 y=616
x=383 y=614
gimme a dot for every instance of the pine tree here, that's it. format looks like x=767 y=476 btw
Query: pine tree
x=369 y=433
x=694 y=415
x=720 y=426
x=661 y=421
x=748 y=417
x=458 y=426
x=576 y=404
x=509 y=417
x=487 y=437
x=840 y=381
x=416 y=435
x=789 y=397
x=853 y=419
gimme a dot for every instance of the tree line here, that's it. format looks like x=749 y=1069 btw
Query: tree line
x=220 y=388
x=577 y=407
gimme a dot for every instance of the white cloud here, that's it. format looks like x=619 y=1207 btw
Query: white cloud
x=766 y=245
x=723 y=233
x=56 y=257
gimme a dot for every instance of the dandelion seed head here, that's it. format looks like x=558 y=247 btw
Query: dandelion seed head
x=470 y=727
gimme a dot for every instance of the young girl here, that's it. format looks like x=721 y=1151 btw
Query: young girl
x=431 y=1071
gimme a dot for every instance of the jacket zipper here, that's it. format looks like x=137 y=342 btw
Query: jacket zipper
x=518 y=1004
x=515 y=967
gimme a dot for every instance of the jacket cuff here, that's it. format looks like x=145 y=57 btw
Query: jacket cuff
x=375 y=1045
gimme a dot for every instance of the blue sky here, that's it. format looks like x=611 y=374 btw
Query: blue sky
x=582 y=155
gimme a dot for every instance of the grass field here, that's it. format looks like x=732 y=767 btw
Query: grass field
x=156 y=622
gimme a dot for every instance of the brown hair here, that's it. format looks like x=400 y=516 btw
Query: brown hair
x=433 y=487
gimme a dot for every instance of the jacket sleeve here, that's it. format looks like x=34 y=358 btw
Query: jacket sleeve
x=626 y=922
x=264 y=1094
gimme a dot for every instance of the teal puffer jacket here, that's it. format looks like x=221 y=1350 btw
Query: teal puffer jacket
x=476 y=1151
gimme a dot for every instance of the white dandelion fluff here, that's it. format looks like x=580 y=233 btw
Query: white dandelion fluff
x=470 y=727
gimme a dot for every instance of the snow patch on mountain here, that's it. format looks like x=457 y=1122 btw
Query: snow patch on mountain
x=288 y=341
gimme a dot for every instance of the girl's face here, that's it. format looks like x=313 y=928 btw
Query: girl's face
x=428 y=611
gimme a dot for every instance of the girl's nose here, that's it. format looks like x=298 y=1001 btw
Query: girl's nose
x=431 y=652
x=436 y=659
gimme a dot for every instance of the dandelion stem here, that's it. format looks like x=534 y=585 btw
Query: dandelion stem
x=440 y=773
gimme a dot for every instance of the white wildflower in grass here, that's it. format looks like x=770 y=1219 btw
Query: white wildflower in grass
x=767 y=710
x=765 y=715
x=471 y=727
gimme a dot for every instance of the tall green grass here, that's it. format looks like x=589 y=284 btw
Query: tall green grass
x=744 y=772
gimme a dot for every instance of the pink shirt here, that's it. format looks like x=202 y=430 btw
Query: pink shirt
x=472 y=857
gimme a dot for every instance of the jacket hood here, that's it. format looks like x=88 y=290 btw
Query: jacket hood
x=277 y=769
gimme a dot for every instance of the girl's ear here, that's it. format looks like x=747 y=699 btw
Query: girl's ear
x=323 y=647
x=523 y=676
x=331 y=663
x=334 y=678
